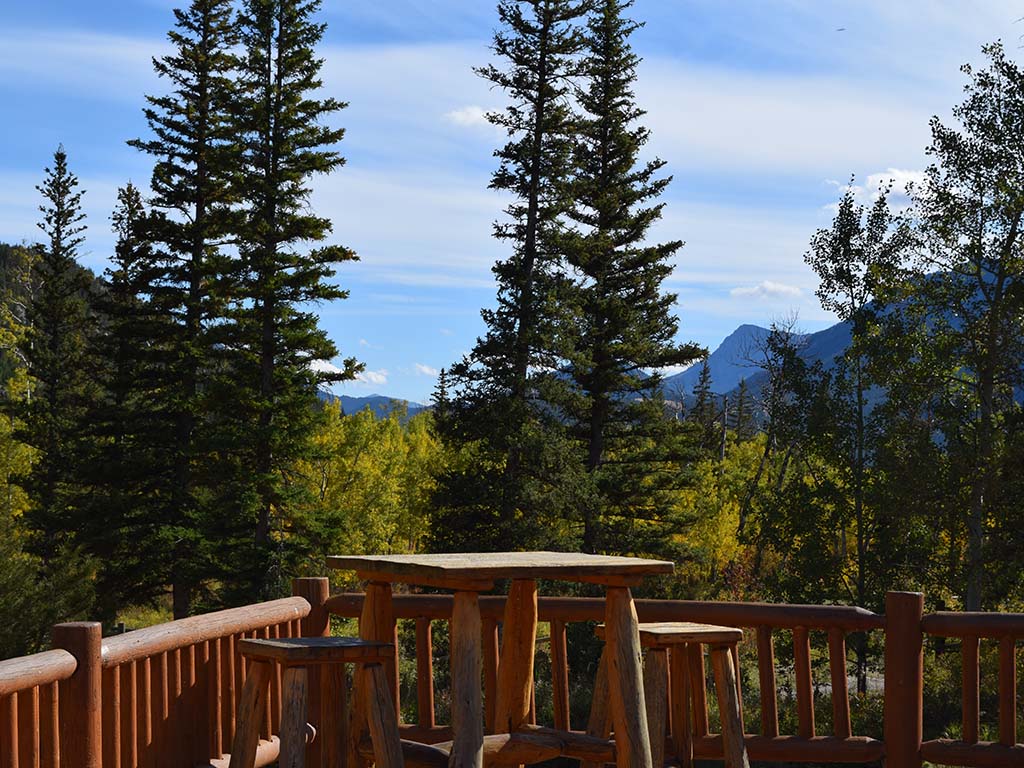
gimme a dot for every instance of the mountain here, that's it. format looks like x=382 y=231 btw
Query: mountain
x=729 y=363
x=381 y=405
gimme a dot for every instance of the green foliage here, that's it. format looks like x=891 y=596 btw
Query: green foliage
x=367 y=485
x=270 y=393
x=522 y=481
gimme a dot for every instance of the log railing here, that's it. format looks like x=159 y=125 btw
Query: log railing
x=161 y=696
x=761 y=619
x=166 y=695
x=1005 y=629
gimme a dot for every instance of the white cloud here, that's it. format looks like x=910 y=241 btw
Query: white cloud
x=324 y=366
x=896 y=179
x=373 y=378
x=425 y=370
x=767 y=289
x=471 y=116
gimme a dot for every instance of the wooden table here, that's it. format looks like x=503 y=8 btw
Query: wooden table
x=469 y=574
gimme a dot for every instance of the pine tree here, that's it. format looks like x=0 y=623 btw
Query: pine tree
x=622 y=324
x=500 y=500
x=56 y=351
x=705 y=412
x=743 y=421
x=195 y=152
x=286 y=142
x=125 y=485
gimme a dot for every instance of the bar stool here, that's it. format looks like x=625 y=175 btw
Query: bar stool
x=295 y=655
x=683 y=640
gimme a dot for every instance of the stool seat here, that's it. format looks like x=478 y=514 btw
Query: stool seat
x=303 y=651
x=665 y=633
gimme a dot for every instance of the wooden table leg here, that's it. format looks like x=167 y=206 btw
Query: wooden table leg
x=376 y=623
x=255 y=694
x=518 y=647
x=293 y=718
x=387 y=744
x=656 y=698
x=466 y=669
x=600 y=722
x=728 y=707
x=625 y=680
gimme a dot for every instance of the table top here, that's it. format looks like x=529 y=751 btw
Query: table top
x=315 y=650
x=477 y=570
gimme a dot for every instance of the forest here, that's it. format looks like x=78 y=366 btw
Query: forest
x=169 y=444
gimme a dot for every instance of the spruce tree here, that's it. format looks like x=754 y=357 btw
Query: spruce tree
x=126 y=485
x=620 y=331
x=499 y=500
x=705 y=413
x=743 y=421
x=282 y=124
x=195 y=152
x=56 y=351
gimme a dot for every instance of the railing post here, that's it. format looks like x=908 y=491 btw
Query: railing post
x=904 y=684
x=316 y=590
x=81 y=696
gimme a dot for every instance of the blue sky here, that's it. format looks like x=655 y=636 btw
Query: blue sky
x=762 y=109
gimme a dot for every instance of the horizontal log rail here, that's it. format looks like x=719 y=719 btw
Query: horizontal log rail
x=762 y=619
x=175 y=635
x=35 y=670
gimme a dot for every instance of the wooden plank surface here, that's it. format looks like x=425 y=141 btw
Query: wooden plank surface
x=664 y=633
x=462 y=568
x=316 y=650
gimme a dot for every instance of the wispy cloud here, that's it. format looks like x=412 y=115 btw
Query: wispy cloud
x=472 y=116
x=425 y=370
x=767 y=289
x=373 y=378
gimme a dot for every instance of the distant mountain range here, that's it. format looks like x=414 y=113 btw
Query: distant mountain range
x=735 y=359
x=381 y=405
x=730 y=363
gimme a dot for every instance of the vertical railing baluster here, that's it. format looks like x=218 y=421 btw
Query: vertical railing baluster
x=28 y=728
x=560 y=675
x=111 y=718
x=49 y=726
x=699 y=689
x=129 y=715
x=971 y=681
x=147 y=746
x=9 y=731
x=840 y=684
x=766 y=683
x=490 y=633
x=804 y=693
x=214 y=700
x=1007 y=692
x=424 y=673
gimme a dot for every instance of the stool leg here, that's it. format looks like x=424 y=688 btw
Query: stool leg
x=625 y=678
x=380 y=710
x=600 y=722
x=656 y=699
x=682 y=722
x=250 y=714
x=334 y=720
x=729 y=707
x=293 y=719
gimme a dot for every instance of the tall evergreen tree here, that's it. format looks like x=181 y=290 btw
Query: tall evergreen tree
x=621 y=330
x=195 y=152
x=56 y=350
x=125 y=484
x=705 y=411
x=277 y=340
x=499 y=500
